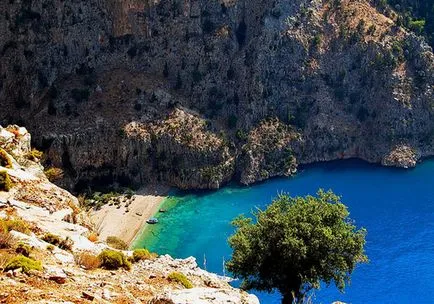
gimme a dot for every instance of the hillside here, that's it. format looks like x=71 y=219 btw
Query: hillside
x=196 y=93
x=50 y=253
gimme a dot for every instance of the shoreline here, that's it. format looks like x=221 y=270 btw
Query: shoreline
x=115 y=221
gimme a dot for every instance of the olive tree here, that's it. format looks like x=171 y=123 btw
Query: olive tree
x=295 y=244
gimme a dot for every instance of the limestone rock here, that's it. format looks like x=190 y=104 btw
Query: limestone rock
x=401 y=156
x=210 y=296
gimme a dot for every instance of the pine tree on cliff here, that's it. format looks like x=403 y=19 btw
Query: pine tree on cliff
x=295 y=244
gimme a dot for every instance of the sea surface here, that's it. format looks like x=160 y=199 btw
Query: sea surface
x=396 y=206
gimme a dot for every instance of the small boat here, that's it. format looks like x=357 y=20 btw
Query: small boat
x=162 y=210
x=152 y=221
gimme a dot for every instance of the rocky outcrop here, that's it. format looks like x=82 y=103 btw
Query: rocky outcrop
x=204 y=295
x=342 y=74
x=49 y=210
x=269 y=152
x=402 y=156
x=178 y=150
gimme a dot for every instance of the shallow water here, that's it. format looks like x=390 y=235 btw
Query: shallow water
x=396 y=207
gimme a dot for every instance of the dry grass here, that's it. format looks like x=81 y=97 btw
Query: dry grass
x=5 y=181
x=88 y=260
x=81 y=200
x=75 y=211
x=5 y=257
x=5 y=160
x=6 y=240
x=122 y=300
x=65 y=244
x=54 y=174
x=93 y=237
x=9 y=224
x=34 y=155
x=116 y=243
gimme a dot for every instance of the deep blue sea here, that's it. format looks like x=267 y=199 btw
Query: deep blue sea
x=396 y=206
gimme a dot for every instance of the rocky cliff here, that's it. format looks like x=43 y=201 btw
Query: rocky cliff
x=49 y=252
x=195 y=93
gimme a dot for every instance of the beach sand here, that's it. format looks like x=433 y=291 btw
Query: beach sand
x=110 y=221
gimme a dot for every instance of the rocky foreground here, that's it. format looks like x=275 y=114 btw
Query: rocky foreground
x=44 y=224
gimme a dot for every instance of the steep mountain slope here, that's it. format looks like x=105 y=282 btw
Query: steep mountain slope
x=195 y=93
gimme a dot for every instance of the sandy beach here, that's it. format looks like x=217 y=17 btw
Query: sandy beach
x=113 y=221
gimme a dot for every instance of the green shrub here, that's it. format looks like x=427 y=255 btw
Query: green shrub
x=34 y=155
x=13 y=224
x=116 y=243
x=316 y=41
x=23 y=249
x=112 y=259
x=417 y=25
x=53 y=174
x=241 y=135
x=5 y=181
x=25 y=263
x=5 y=160
x=180 y=278
x=141 y=254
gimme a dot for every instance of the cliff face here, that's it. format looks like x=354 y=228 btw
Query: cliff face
x=181 y=92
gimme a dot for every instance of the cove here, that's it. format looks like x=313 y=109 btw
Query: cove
x=396 y=206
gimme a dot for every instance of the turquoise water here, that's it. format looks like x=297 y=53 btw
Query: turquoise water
x=395 y=206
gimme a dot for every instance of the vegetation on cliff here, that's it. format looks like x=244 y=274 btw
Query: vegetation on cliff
x=5 y=181
x=116 y=243
x=24 y=263
x=180 y=278
x=142 y=254
x=5 y=160
x=416 y=15
x=65 y=244
x=295 y=244
x=112 y=259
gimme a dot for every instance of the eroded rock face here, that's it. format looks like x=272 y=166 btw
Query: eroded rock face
x=269 y=152
x=178 y=150
x=342 y=75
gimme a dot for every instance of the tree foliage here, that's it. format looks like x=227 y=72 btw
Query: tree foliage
x=296 y=243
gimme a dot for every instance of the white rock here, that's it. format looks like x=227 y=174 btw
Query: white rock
x=106 y=294
x=210 y=296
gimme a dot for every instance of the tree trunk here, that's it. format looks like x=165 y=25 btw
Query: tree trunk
x=292 y=297
x=287 y=298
